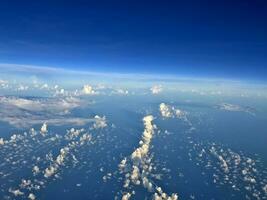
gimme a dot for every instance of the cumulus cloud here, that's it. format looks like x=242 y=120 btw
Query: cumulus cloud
x=126 y=196
x=31 y=196
x=141 y=160
x=223 y=162
x=88 y=90
x=16 y=192
x=2 y=142
x=44 y=128
x=100 y=122
x=4 y=84
x=168 y=111
x=52 y=166
x=156 y=89
x=35 y=170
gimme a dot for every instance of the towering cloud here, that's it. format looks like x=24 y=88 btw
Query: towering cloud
x=167 y=111
x=141 y=167
x=88 y=89
x=44 y=128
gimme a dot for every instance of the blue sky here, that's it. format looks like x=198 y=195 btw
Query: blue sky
x=194 y=38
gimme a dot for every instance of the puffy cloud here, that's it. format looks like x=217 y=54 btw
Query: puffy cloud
x=165 y=110
x=2 y=142
x=88 y=89
x=160 y=195
x=141 y=164
x=123 y=164
x=31 y=196
x=35 y=170
x=25 y=183
x=168 y=111
x=16 y=192
x=44 y=128
x=4 y=84
x=156 y=89
x=126 y=196
x=53 y=166
x=50 y=171
x=22 y=87
x=221 y=159
x=100 y=122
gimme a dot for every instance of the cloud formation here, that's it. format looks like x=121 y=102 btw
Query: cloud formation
x=167 y=111
x=25 y=112
x=138 y=170
x=156 y=89
x=88 y=90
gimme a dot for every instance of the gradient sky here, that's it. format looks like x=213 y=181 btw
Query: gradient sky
x=226 y=39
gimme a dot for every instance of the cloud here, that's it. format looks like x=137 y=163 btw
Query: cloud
x=32 y=144
x=235 y=108
x=2 y=142
x=156 y=89
x=35 y=170
x=126 y=196
x=31 y=196
x=44 y=128
x=100 y=122
x=141 y=164
x=16 y=192
x=51 y=105
x=165 y=110
x=169 y=112
x=120 y=92
x=24 y=112
x=88 y=89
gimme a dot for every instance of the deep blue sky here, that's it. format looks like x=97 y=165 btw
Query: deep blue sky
x=195 y=38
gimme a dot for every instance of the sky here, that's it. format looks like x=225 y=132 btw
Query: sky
x=225 y=39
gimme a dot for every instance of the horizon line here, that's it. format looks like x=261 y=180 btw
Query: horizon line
x=28 y=68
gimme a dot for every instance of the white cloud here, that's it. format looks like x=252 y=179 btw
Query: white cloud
x=16 y=192
x=156 y=89
x=50 y=171
x=230 y=107
x=140 y=170
x=126 y=196
x=2 y=142
x=168 y=111
x=58 y=105
x=24 y=112
x=88 y=89
x=35 y=170
x=121 y=92
x=44 y=128
x=100 y=122
x=31 y=196
x=165 y=110
x=3 y=81
x=223 y=162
